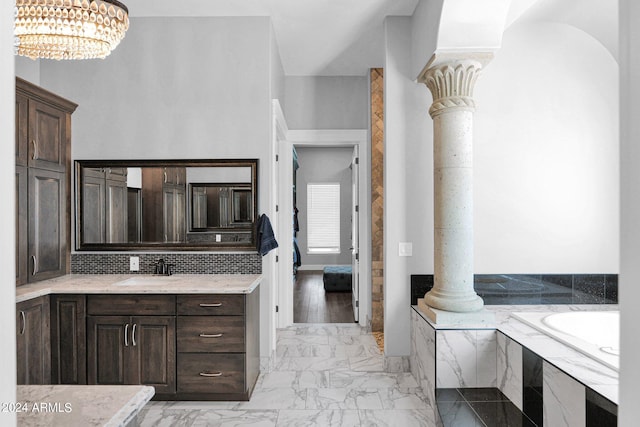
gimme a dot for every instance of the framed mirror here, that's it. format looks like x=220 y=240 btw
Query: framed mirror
x=166 y=204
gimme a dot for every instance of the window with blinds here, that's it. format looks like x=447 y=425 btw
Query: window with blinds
x=323 y=218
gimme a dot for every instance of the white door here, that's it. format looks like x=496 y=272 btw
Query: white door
x=355 y=223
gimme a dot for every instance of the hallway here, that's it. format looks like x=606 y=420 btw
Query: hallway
x=313 y=305
x=325 y=375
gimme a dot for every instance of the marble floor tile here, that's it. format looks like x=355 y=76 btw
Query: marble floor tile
x=323 y=375
x=397 y=417
x=315 y=418
x=343 y=398
x=211 y=418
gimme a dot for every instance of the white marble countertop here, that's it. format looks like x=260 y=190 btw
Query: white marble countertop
x=584 y=369
x=80 y=405
x=141 y=284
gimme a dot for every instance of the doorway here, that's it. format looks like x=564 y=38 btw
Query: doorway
x=310 y=274
x=325 y=195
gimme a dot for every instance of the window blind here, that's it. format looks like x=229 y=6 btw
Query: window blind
x=323 y=218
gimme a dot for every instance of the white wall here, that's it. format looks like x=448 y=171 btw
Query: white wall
x=318 y=165
x=546 y=155
x=7 y=215
x=28 y=69
x=174 y=88
x=629 y=410
x=326 y=102
x=425 y=23
x=408 y=183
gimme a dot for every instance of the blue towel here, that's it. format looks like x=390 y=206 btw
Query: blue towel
x=266 y=239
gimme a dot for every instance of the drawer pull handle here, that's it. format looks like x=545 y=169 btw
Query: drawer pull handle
x=126 y=335
x=215 y=304
x=210 y=374
x=210 y=335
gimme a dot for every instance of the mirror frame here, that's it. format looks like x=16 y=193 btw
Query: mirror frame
x=80 y=246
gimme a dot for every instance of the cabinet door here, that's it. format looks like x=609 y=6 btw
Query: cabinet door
x=32 y=341
x=93 y=209
x=180 y=216
x=22 y=129
x=47 y=137
x=108 y=345
x=22 y=234
x=116 y=211
x=47 y=225
x=154 y=340
x=68 y=339
x=169 y=208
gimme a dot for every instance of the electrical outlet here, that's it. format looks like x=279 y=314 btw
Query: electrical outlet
x=218 y=238
x=134 y=263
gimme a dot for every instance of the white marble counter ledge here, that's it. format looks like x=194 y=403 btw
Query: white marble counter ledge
x=80 y=405
x=141 y=284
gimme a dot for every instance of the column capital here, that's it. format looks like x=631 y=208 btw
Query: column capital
x=451 y=78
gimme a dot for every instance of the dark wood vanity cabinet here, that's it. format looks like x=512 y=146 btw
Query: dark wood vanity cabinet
x=218 y=346
x=68 y=339
x=131 y=340
x=43 y=130
x=33 y=348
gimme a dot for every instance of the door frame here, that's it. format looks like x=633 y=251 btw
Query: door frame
x=322 y=138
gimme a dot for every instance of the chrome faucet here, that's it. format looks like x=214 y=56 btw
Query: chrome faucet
x=163 y=268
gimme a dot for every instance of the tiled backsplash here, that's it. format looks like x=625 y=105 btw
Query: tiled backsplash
x=510 y=289
x=183 y=263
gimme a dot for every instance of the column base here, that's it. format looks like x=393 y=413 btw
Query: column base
x=480 y=318
x=459 y=303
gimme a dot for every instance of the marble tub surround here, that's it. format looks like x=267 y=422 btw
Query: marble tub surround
x=592 y=374
x=532 y=369
x=325 y=374
x=73 y=405
x=122 y=284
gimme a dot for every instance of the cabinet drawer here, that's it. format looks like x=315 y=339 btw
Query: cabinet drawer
x=211 y=305
x=210 y=373
x=202 y=334
x=131 y=305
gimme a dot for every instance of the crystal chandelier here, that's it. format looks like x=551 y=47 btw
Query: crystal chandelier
x=69 y=29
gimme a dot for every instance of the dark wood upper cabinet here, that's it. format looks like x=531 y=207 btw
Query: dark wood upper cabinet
x=43 y=204
x=22 y=233
x=47 y=136
x=22 y=129
x=47 y=246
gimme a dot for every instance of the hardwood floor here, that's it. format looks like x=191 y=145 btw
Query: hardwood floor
x=313 y=305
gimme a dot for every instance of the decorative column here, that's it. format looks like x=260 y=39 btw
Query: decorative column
x=451 y=78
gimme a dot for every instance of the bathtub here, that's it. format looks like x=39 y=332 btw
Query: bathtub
x=594 y=333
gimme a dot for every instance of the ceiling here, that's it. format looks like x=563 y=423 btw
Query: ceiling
x=346 y=37
x=315 y=37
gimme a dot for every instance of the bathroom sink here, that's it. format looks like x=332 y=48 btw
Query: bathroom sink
x=147 y=281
